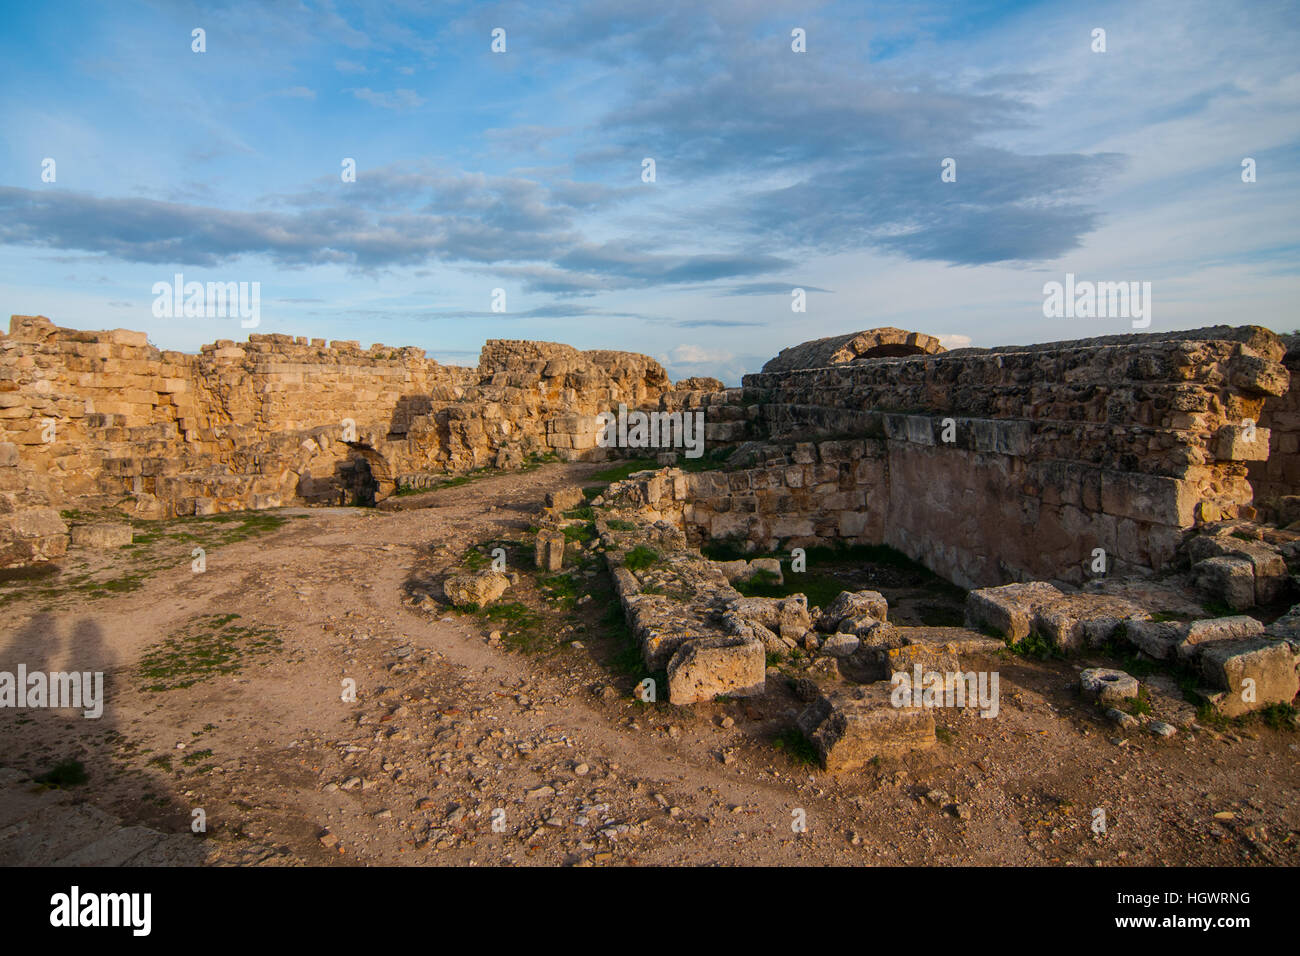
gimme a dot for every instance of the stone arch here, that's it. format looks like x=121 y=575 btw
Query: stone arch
x=372 y=473
x=864 y=346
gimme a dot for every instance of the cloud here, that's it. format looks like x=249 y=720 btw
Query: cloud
x=770 y=288
x=694 y=355
x=400 y=99
x=955 y=341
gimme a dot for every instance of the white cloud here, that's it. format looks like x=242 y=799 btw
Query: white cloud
x=396 y=100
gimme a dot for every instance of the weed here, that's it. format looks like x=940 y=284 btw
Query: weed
x=66 y=773
x=793 y=743
x=640 y=558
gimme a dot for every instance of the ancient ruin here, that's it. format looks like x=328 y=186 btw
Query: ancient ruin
x=1126 y=494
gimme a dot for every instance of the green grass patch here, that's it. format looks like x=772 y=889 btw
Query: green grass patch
x=1279 y=716
x=623 y=469
x=712 y=460
x=797 y=747
x=580 y=532
x=1141 y=704
x=1035 y=646
x=66 y=773
x=640 y=558
x=204 y=647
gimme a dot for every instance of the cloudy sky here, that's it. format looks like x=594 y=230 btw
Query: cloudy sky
x=774 y=169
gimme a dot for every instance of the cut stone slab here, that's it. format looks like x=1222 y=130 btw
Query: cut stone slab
x=957 y=640
x=841 y=645
x=929 y=657
x=772 y=643
x=480 y=588
x=1216 y=629
x=101 y=535
x=1074 y=621
x=1107 y=685
x=740 y=571
x=788 y=617
x=703 y=669
x=1228 y=578
x=563 y=499
x=1287 y=628
x=1009 y=610
x=1158 y=639
x=855 y=605
x=851 y=727
x=1251 y=673
x=550 y=550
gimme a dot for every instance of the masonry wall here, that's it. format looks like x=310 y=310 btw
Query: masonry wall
x=105 y=418
x=1279 y=475
x=1016 y=463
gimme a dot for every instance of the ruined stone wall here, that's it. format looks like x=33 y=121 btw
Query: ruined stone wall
x=1016 y=463
x=1279 y=475
x=105 y=418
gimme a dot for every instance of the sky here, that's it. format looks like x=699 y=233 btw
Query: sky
x=506 y=194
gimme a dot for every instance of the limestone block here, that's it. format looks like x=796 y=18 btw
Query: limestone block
x=1216 y=629
x=1075 y=621
x=929 y=657
x=1228 y=578
x=101 y=535
x=706 y=668
x=955 y=640
x=1010 y=609
x=479 y=588
x=855 y=605
x=1241 y=443
x=1253 y=673
x=851 y=727
x=1158 y=639
x=549 y=550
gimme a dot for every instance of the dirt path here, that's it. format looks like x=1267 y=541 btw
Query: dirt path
x=459 y=750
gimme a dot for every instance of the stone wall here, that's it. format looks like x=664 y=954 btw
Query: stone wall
x=989 y=466
x=1279 y=475
x=1017 y=463
x=104 y=418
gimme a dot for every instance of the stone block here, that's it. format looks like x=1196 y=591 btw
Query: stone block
x=566 y=498
x=853 y=604
x=549 y=550
x=851 y=727
x=1216 y=629
x=1158 y=639
x=1252 y=673
x=113 y=535
x=1010 y=609
x=1075 y=621
x=479 y=588
x=1107 y=685
x=1227 y=578
x=706 y=668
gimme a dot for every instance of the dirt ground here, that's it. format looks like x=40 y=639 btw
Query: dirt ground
x=531 y=749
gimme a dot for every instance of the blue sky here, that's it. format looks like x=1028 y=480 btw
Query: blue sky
x=774 y=169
